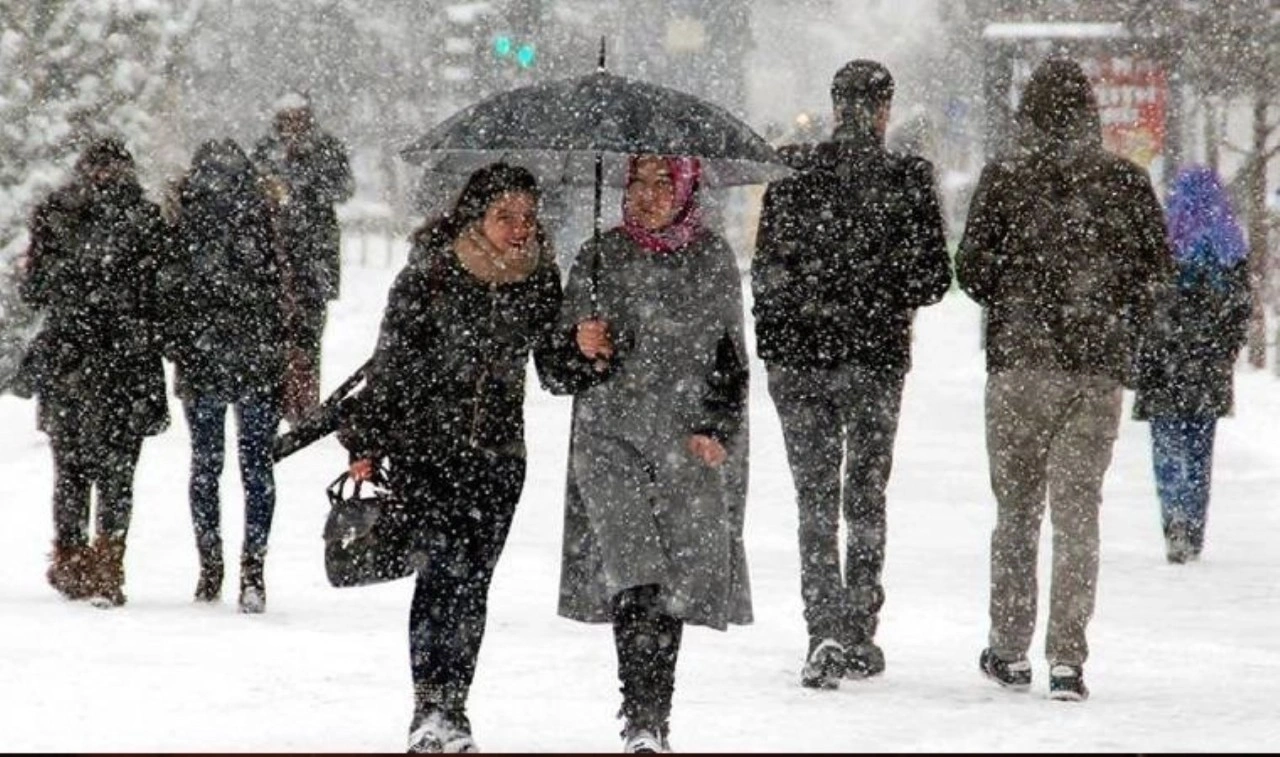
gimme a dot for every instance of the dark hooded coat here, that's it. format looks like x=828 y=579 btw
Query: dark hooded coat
x=1065 y=243
x=223 y=289
x=96 y=366
x=1187 y=361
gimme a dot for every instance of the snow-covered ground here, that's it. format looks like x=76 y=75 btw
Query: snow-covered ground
x=1183 y=657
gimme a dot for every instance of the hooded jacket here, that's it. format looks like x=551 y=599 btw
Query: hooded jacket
x=1064 y=244
x=224 y=289
x=96 y=366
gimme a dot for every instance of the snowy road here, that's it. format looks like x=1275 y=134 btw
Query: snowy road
x=1183 y=657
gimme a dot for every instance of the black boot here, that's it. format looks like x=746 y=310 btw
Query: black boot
x=648 y=645
x=253 y=590
x=209 y=585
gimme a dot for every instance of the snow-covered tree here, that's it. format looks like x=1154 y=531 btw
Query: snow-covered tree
x=74 y=69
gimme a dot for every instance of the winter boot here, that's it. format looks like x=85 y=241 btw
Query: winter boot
x=71 y=571
x=825 y=664
x=253 y=590
x=109 y=559
x=1066 y=683
x=863 y=660
x=1011 y=674
x=209 y=585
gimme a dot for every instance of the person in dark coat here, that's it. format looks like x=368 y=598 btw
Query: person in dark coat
x=96 y=367
x=1065 y=248
x=847 y=250
x=443 y=405
x=1186 y=363
x=307 y=171
x=226 y=337
x=657 y=489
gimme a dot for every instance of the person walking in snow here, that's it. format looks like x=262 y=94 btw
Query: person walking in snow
x=307 y=172
x=443 y=407
x=96 y=366
x=657 y=478
x=1065 y=248
x=226 y=336
x=848 y=248
x=1187 y=360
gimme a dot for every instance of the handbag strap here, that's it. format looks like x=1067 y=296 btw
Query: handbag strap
x=334 y=489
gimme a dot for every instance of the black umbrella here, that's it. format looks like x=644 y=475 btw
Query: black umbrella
x=563 y=131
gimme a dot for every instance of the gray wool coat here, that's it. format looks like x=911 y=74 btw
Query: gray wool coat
x=640 y=508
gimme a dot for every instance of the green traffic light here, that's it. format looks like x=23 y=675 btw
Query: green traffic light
x=526 y=56
x=502 y=46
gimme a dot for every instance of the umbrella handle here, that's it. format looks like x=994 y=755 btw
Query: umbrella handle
x=597 y=212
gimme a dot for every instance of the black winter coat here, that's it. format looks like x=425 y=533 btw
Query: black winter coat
x=1186 y=363
x=449 y=370
x=846 y=251
x=96 y=366
x=223 y=289
x=1065 y=247
x=317 y=174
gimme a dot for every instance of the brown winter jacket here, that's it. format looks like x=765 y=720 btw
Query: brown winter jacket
x=1065 y=247
x=1065 y=242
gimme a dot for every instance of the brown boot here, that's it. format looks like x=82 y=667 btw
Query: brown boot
x=109 y=556
x=71 y=571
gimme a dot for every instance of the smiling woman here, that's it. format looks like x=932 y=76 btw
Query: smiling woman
x=443 y=405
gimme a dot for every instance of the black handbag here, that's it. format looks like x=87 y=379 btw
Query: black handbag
x=368 y=536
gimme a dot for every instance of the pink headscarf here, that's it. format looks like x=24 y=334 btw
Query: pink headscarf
x=687 y=222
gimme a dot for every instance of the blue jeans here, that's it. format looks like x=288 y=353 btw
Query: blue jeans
x=1182 y=452
x=257 y=419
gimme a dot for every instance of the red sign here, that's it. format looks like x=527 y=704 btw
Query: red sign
x=1132 y=95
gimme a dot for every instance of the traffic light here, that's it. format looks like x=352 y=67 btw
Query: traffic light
x=524 y=53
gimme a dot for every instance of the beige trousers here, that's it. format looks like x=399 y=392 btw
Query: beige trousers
x=1048 y=432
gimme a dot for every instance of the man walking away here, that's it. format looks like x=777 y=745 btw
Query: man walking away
x=1065 y=248
x=847 y=249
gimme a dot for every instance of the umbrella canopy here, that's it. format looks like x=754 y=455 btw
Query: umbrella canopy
x=559 y=129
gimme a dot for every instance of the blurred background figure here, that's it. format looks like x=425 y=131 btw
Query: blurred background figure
x=1187 y=362
x=227 y=339
x=306 y=172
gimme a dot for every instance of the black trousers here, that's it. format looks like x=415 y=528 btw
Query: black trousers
x=648 y=645
x=465 y=504
x=81 y=463
x=839 y=427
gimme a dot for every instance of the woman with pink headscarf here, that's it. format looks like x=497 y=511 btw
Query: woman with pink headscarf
x=658 y=456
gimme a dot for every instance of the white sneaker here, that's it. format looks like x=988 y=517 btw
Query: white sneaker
x=430 y=735
x=437 y=734
x=644 y=741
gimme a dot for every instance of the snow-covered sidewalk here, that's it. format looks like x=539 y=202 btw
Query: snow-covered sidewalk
x=1183 y=657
